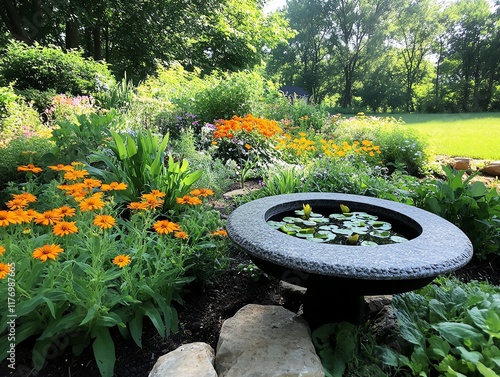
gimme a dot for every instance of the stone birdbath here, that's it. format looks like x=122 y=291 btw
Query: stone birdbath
x=337 y=277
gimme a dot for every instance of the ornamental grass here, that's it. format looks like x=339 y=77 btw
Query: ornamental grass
x=83 y=264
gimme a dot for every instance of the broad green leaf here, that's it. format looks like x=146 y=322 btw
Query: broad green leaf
x=135 y=327
x=104 y=351
x=119 y=149
x=485 y=371
x=131 y=147
x=90 y=314
x=455 y=333
x=155 y=317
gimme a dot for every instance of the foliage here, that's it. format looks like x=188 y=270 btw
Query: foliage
x=281 y=180
x=7 y=96
x=450 y=327
x=144 y=165
x=118 y=96
x=67 y=108
x=472 y=207
x=344 y=349
x=401 y=148
x=88 y=269
x=46 y=68
x=77 y=138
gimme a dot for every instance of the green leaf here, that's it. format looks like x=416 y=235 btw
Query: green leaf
x=90 y=314
x=104 y=351
x=155 y=317
x=131 y=147
x=135 y=326
x=119 y=146
x=456 y=333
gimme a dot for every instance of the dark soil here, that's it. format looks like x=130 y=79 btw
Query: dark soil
x=200 y=318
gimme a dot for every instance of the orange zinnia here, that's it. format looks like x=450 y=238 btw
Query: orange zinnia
x=30 y=198
x=220 y=232
x=158 y=193
x=17 y=203
x=153 y=202
x=122 y=260
x=61 y=167
x=64 y=228
x=49 y=217
x=8 y=217
x=74 y=175
x=165 y=227
x=30 y=167
x=24 y=216
x=113 y=186
x=104 y=221
x=66 y=211
x=181 y=235
x=2 y=250
x=4 y=270
x=186 y=199
x=47 y=252
x=137 y=205
x=90 y=183
x=92 y=203
x=205 y=192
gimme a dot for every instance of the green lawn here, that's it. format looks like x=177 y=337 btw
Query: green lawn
x=475 y=135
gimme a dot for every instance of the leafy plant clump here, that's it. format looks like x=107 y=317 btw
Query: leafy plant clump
x=345 y=228
x=84 y=264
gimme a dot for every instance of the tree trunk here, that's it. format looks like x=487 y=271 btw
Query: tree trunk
x=13 y=21
x=71 y=35
x=96 y=34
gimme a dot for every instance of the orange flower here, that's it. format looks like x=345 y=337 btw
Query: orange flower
x=248 y=146
x=30 y=198
x=104 y=221
x=158 y=193
x=61 y=167
x=30 y=167
x=49 y=217
x=153 y=202
x=204 y=192
x=66 y=211
x=4 y=270
x=92 y=203
x=24 y=216
x=191 y=200
x=90 y=183
x=47 y=252
x=17 y=203
x=64 y=228
x=8 y=217
x=114 y=186
x=137 y=205
x=122 y=260
x=2 y=250
x=74 y=175
x=220 y=233
x=165 y=227
x=181 y=235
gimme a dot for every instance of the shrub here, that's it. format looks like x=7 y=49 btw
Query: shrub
x=85 y=270
x=7 y=96
x=401 y=148
x=49 y=68
x=67 y=108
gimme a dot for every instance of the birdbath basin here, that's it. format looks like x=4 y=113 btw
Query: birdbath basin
x=337 y=277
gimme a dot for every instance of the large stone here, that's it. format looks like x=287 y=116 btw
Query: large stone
x=189 y=360
x=266 y=341
x=493 y=168
x=460 y=163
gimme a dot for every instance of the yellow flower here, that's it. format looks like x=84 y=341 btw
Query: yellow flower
x=64 y=228
x=61 y=167
x=47 y=252
x=104 y=221
x=122 y=260
x=165 y=227
x=4 y=270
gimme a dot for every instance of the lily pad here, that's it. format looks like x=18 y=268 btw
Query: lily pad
x=369 y=243
x=381 y=233
x=398 y=239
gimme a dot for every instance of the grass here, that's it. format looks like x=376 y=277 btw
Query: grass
x=475 y=135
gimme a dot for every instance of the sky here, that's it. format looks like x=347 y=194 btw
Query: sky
x=272 y=5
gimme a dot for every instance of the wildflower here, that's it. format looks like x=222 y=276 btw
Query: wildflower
x=47 y=252
x=191 y=200
x=4 y=270
x=66 y=211
x=30 y=198
x=30 y=167
x=220 y=233
x=122 y=260
x=74 y=175
x=114 y=186
x=92 y=203
x=61 y=167
x=64 y=228
x=49 y=217
x=2 y=250
x=165 y=227
x=104 y=221
x=17 y=203
x=181 y=235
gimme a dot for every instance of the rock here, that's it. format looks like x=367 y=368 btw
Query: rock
x=189 y=360
x=493 y=168
x=266 y=341
x=292 y=295
x=460 y=163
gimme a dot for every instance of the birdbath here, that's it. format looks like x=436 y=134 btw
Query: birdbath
x=337 y=277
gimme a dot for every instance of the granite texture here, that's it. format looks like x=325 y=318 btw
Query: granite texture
x=437 y=246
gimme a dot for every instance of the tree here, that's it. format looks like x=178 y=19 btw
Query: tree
x=414 y=31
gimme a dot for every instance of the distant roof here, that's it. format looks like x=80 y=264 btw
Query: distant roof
x=294 y=91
